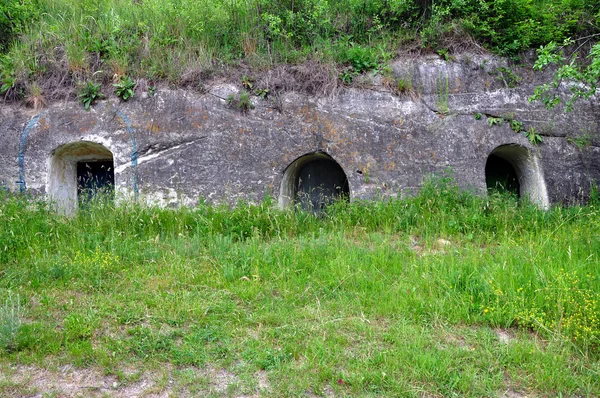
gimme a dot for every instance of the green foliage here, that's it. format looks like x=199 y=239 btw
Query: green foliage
x=348 y=75
x=495 y=121
x=240 y=101
x=247 y=82
x=443 y=94
x=15 y=17
x=582 y=80
x=506 y=75
x=516 y=125
x=251 y=288
x=533 y=136
x=581 y=141
x=89 y=93
x=10 y=86
x=566 y=305
x=162 y=40
x=124 y=88
x=8 y=82
x=404 y=85
x=362 y=59
x=261 y=92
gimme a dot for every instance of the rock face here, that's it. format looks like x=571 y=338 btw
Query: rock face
x=177 y=147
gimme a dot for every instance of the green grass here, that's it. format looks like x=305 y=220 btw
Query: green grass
x=53 y=47
x=400 y=297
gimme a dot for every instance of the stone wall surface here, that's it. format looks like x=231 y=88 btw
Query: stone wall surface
x=179 y=146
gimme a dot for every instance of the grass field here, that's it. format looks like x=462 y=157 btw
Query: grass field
x=443 y=294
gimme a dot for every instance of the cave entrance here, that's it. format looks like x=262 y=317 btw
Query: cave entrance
x=500 y=176
x=79 y=172
x=95 y=178
x=514 y=169
x=312 y=182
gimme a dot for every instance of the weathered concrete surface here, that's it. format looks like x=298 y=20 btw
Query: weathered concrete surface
x=177 y=147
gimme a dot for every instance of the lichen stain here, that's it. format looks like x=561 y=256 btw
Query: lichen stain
x=44 y=125
x=457 y=84
x=122 y=122
x=152 y=127
x=388 y=166
x=331 y=131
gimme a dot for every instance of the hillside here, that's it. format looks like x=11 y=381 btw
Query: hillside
x=55 y=49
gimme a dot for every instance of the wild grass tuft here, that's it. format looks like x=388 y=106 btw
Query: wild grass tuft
x=11 y=320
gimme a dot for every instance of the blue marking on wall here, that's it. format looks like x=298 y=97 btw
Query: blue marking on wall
x=134 y=152
x=22 y=143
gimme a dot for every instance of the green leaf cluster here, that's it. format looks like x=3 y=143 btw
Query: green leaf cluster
x=581 y=79
x=89 y=94
x=124 y=88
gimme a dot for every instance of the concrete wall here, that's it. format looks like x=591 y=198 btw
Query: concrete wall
x=179 y=146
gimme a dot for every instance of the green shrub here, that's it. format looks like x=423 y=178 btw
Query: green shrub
x=15 y=16
x=362 y=59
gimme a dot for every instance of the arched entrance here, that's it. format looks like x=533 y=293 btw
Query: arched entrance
x=79 y=172
x=514 y=169
x=500 y=176
x=312 y=182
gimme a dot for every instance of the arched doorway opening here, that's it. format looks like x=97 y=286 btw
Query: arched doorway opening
x=79 y=172
x=500 y=176
x=514 y=169
x=312 y=182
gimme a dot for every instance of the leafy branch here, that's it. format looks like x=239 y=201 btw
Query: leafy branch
x=583 y=80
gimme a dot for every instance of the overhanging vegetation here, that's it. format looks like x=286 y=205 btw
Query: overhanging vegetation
x=51 y=47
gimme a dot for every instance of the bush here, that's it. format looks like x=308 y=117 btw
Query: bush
x=15 y=15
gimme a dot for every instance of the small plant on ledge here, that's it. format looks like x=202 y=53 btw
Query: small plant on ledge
x=240 y=101
x=124 y=88
x=533 y=136
x=89 y=94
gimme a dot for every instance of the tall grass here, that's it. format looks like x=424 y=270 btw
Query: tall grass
x=364 y=290
x=62 y=43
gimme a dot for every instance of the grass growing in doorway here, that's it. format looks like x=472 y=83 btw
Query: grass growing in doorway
x=441 y=294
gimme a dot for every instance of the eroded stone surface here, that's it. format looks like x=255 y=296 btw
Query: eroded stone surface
x=177 y=147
